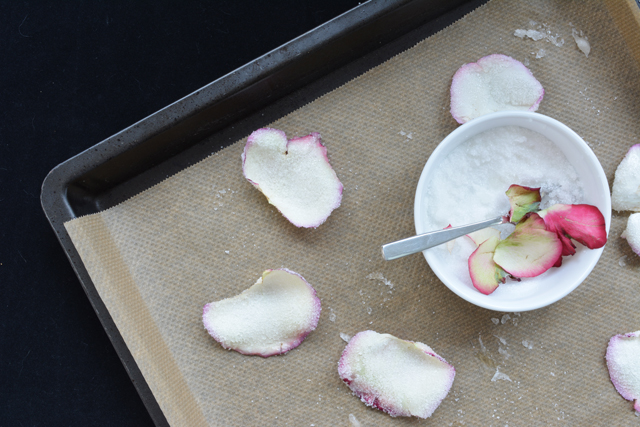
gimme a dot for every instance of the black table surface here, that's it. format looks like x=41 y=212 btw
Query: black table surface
x=72 y=74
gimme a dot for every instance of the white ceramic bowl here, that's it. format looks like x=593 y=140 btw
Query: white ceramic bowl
x=557 y=282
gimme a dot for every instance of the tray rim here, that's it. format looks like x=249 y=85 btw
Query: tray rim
x=58 y=210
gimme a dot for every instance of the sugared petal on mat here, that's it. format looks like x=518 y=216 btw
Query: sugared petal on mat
x=626 y=184
x=494 y=83
x=402 y=378
x=294 y=175
x=623 y=361
x=271 y=317
x=632 y=232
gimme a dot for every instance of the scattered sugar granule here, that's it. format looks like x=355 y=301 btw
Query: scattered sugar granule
x=527 y=344
x=541 y=53
x=354 y=421
x=532 y=34
x=344 y=337
x=503 y=352
x=582 y=41
x=332 y=315
x=500 y=376
x=495 y=321
x=482 y=347
x=541 y=33
x=381 y=278
x=408 y=135
x=502 y=340
x=533 y=161
x=622 y=262
x=226 y=252
x=505 y=318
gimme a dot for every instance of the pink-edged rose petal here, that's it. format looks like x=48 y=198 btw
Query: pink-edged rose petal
x=584 y=223
x=625 y=195
x=530 y=250
x=480 y=236
x=485 y=274
x=632 y=232
x=271 y=317
x=494 y=83
x=401 y=378
x=623 y=361
x=522 y=200
x=294 y=175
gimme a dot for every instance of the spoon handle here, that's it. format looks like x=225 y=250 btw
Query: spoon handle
x=428 y=240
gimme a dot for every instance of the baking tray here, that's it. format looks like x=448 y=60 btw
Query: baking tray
x=223 y=112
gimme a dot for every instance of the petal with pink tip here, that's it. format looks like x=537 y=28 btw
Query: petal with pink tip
x=625 y=195
x=494 y=83
x=632 y=232
x=584 y=223
x=530 y=250
x=480 y=236
x=522 y=200
x=623 y=361
x=294 y=175
x=271 y=317
x=485 y=274
x=401 y=378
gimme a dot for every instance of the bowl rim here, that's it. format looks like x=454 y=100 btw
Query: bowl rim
x=463 y=132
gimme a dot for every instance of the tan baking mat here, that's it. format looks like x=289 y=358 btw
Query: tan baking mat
x=207 y=234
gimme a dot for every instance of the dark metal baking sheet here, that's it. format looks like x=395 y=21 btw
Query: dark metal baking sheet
x=224 y=111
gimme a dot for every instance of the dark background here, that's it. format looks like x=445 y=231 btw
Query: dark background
x=72 y=74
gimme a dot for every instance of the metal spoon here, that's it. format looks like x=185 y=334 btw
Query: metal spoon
x=428 y=240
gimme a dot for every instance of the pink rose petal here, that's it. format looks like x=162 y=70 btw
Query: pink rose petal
x=530 y=250
x=584 y=223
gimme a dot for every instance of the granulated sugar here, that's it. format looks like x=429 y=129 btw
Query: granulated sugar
x=469 y=186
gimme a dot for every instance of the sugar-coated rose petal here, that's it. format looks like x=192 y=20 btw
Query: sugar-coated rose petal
x=294 y=175
x=494 y=83
x=523 y=200
x=480 y=236
x=271 y=317
x=625 y=195
x=584 y=223
x=623 y=361
x=485 y=274
x=530 y=250
x=632 y=232
x=402 y=378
